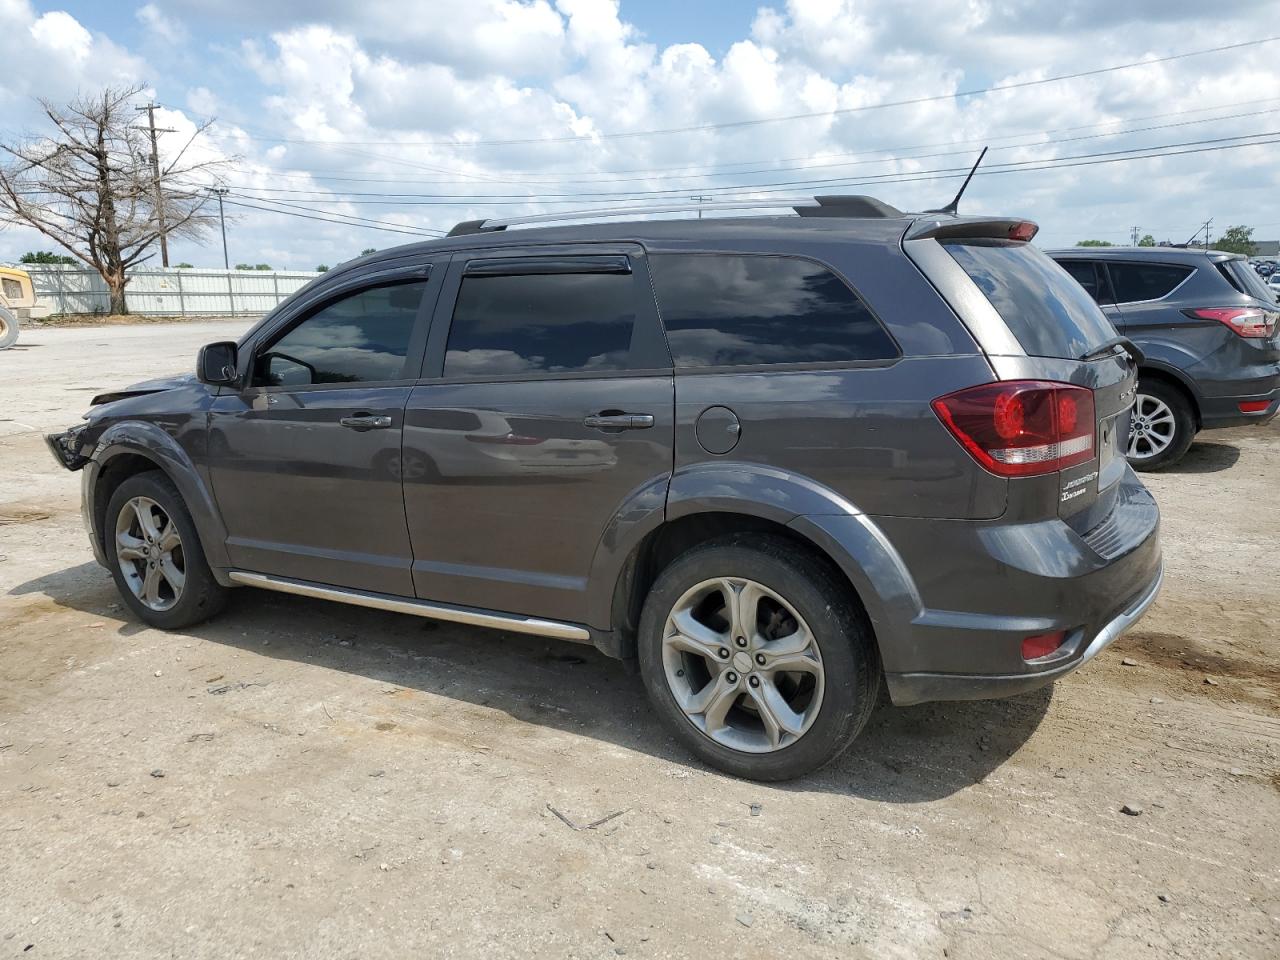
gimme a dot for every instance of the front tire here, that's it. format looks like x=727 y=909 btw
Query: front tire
x=757 y=658
x=1161 y=426
x=155 y=556
x=8 y=328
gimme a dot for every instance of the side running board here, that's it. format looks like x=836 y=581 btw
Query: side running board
x=418 y=608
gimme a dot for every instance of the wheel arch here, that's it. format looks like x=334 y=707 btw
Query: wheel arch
x=1174 y=377
x=128 y=449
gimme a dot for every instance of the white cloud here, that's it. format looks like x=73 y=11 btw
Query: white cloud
x=404 y=99
x=160 y=25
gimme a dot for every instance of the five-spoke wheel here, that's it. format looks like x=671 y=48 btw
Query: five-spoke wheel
x=149 y=551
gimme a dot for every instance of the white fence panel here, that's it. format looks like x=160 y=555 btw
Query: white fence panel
x=169 y=292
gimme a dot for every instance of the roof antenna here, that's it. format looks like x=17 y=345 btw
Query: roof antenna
x=954 y=205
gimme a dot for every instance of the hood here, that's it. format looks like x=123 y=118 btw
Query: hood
x=142 y=389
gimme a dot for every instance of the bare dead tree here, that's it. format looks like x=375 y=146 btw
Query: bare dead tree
x=90 y=186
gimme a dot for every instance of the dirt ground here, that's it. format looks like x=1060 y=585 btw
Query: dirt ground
x=304 y=779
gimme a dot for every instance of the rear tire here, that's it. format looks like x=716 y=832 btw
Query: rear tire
x=1162 y=426
x=8 y=328
x=155 y=556
x=783 y=695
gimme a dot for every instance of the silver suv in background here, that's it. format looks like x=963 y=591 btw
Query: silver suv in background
x=777 y=461
x=1206 y=324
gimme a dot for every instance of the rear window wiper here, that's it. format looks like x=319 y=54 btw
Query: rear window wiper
x=1109 y=346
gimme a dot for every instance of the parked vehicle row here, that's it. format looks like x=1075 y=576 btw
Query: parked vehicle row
x=1207 y=328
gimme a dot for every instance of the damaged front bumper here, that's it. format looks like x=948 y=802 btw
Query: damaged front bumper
x=66 y=447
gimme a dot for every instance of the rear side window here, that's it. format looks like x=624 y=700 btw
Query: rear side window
x=1049 y=313
x=1134 y=282
x=729 y=310
x=1245 y=279
x=1085 y=273
x=541 y=323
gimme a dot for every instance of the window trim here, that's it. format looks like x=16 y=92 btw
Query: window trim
x=1191 y=272
x=799 y=365
x=268 y=336
x=648 y=340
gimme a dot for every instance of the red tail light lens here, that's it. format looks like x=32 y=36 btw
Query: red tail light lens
x=1033 y=648
x=1024 y=230
x=1022 y=428
x=1249 y=322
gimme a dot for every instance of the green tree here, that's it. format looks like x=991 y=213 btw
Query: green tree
x=1095 y=243
x=244 y=266
x=322 y=268
x=262 y=266
x=1147 y=240
x=368 y=250
x=1237 y=239
x=44 y=256
x=183 y=266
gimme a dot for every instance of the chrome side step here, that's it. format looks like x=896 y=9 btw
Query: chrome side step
x=417 y=608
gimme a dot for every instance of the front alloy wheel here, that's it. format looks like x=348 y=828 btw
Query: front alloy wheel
x=149 y=552
x=743 y=665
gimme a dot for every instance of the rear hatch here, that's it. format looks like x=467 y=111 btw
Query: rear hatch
x=1063 y=338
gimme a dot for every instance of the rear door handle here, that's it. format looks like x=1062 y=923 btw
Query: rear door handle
x=619 y=421
x=365 y=421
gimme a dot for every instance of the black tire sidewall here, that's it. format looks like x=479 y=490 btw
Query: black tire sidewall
x=850 y=667
x=1184 y=431
x=202 y=596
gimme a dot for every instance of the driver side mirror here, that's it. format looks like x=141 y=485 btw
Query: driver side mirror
x=216 y=364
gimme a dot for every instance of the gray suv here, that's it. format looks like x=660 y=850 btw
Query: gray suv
x=1206 y=324
x=778 y=461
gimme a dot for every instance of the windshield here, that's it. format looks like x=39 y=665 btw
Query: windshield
x=1048 y=311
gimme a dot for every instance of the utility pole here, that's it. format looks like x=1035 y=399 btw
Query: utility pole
x=155 y=174
x=700 y=201
x=222 y=192
x=1135 y=237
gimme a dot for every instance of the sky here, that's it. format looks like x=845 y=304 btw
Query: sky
x=398 y=119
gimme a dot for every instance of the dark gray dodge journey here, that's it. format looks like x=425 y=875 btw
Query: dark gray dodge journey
x=777 y=460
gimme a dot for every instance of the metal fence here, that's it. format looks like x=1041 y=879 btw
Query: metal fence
x=167 y=292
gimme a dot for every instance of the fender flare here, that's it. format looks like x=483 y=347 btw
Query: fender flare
x=818 y=514
x=151 y=442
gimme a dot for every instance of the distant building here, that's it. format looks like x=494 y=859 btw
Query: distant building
x=1266 y=248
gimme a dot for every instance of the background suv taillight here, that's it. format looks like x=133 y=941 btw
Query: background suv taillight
x=1022 y=428
x=1249 y=322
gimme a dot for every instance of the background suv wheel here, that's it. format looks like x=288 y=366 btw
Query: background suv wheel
x=155 y=556
x=757 y=658
x=1161 y=426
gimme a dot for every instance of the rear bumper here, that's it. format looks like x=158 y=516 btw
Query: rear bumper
x=1216 y=412
x=911 y=688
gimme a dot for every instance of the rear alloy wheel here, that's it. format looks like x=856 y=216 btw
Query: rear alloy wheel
x=757 y=657
x=1161 y=426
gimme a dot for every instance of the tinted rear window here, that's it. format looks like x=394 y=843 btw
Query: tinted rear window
x=1084 y=273
x=1049 y=313
x=728 y=310
x=552 y=323
x=1245 y=279
x=1134 y=282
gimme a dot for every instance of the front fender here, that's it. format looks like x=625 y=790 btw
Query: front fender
x=149 y=440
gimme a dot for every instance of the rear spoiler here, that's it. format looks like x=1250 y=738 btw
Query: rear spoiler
x=970 y=228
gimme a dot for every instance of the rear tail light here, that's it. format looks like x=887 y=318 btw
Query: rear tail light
x=1250 y=322
x=1022 y=428
x=1041 y=645
x=1023 y=230
x=1254 y=406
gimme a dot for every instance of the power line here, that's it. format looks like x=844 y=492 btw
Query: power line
x=327 y=192
x=1148 y=152
x=415 y=232
x=760 y=121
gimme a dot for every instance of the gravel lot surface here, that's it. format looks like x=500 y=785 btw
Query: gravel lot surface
x=300 y=778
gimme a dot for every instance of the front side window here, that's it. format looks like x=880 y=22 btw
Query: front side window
x=541 y=323
x=1134 y=282
x=358 y=339
x=731 y=310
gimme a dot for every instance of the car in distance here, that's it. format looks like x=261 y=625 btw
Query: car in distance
x=778 y=461
x=1207 y=326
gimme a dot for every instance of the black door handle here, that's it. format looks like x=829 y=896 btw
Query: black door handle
x=365 y=421
x=619 y=421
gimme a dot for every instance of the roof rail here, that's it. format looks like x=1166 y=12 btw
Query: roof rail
x=835 y=205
